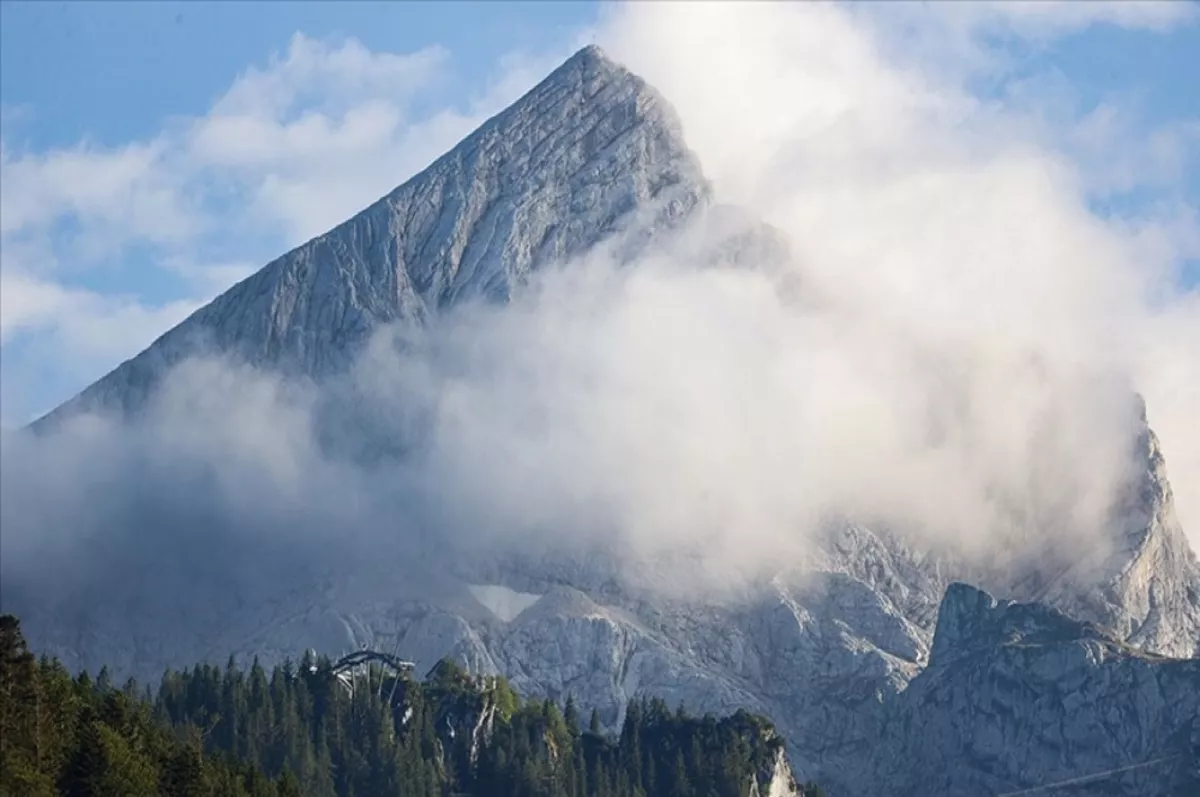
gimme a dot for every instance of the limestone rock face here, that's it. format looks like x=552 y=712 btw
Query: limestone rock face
x=842 y=653
x=1018 y=696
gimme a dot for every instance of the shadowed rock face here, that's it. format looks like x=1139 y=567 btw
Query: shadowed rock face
x=1019 y=695
x=971 y=621
x=843 y=655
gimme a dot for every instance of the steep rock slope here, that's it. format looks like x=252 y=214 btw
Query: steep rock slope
x=1018 y=696
x=590 y=152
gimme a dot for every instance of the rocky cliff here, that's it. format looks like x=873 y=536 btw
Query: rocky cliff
x=1020 y=697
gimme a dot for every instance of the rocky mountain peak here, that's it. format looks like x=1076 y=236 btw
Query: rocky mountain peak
x=590 y=154
x=592 y=60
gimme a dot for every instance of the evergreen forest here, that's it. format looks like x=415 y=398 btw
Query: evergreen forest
x=303 y=730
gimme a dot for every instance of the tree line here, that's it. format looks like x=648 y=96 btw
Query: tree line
x=301 y=730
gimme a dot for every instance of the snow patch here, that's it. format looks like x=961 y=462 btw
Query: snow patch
x=503 y=602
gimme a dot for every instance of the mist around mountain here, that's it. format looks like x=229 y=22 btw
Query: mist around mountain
x=563 y=408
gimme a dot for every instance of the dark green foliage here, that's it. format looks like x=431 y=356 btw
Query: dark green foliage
x=301 y=731
x=60 y=735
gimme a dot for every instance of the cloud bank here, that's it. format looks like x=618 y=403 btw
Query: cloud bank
x=958 y=220
x=959 y=363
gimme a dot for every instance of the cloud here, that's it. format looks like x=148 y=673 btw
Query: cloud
x=101 y=187
x=318 y=74
x=1157 y=159
x=667 y=412
x=960 y=366
x=951 y=218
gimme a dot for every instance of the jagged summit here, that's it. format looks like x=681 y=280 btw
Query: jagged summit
x=591 y=52
x=591 y=59
x=569 y=164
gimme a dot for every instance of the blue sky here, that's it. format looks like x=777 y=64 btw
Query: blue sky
x=154 y=153
x=84 y=67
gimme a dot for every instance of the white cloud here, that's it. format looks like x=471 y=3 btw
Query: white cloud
x=49 y=330
x=86 y=325
x=960 y=223
x=126 y=187
x=318 y=74
x=1118 y=156
x=25 y=303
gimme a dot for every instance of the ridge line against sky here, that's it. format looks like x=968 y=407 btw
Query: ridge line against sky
x=153 y=154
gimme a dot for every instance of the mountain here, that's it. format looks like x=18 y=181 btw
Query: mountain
x=594 y=159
